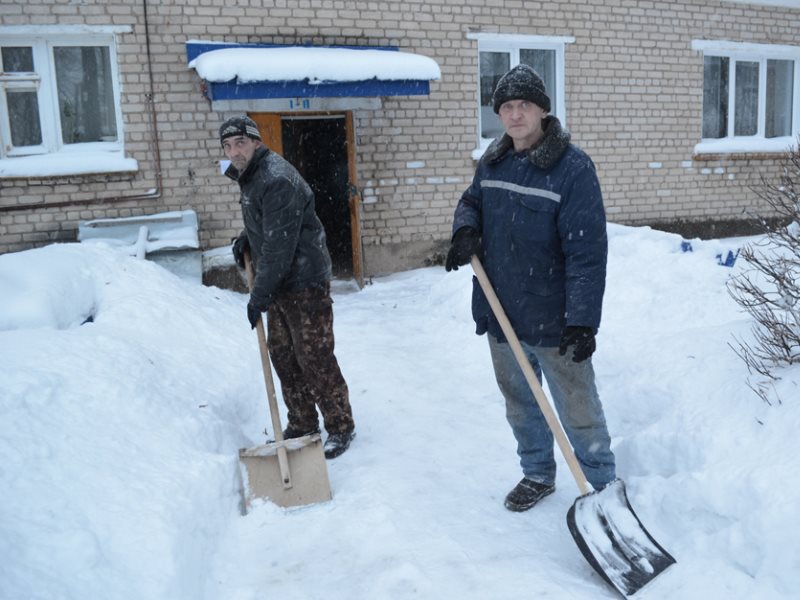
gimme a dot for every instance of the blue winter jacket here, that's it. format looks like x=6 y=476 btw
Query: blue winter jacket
x=544 y=245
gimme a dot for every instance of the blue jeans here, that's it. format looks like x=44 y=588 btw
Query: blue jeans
x=577 y=404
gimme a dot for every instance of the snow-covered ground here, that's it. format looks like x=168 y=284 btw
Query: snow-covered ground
x=119 y=439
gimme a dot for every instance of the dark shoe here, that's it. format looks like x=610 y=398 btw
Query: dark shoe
x=295 y=432
x=526 y=494
x=337 y=443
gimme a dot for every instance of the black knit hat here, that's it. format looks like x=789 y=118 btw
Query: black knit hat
x=520 y=83
x=242 y=125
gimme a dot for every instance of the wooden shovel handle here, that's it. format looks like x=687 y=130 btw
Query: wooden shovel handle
x=530 y=376
x=283 y=459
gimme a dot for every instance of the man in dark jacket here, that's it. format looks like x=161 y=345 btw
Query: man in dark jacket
x=534 y=216
x=292 y=281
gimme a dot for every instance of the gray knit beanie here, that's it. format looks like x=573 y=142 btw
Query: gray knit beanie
x=521 y=83
x=242 y=125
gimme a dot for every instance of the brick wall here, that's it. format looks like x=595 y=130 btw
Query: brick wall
x=633 y=90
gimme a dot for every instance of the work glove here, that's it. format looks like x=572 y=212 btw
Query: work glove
x=466 y=243
x=254 y=310
x=580 y=337
x=240 y=246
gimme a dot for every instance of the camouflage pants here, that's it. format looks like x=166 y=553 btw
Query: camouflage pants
x=300 y=339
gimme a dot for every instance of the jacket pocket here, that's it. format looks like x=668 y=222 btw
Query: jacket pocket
x=543 y=304
x=544 y=288
x=534 y=219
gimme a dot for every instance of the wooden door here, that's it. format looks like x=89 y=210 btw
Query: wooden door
x=355 y=201
x=269 y=126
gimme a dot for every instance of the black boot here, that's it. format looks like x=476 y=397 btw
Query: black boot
x=295 y=432
x=337 y=443
x=526 y=494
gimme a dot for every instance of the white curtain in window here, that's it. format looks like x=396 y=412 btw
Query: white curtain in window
x=23 y=104
x=85 y=94
x=715 y=97
x=780 y=88
x=745 y=120
x=544 y=63
x=493 y=66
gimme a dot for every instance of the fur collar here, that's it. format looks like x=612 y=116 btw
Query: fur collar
x=544 y=155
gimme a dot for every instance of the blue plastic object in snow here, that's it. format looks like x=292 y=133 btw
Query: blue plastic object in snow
x=730 y=259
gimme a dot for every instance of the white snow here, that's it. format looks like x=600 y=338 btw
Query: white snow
x=67 y=163
x=119 y=440
x=146 y=233
x=745 y=144
x=317 y=64
x=780 y=3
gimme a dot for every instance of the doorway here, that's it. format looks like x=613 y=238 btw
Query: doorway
x=317 y=147
x=320 y=147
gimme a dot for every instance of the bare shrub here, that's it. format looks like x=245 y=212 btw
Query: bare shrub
x=769 y=287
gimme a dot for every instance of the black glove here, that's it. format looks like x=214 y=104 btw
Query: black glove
x=254 y=311
x=466 y=243
x=240 y=246
x=583 y=340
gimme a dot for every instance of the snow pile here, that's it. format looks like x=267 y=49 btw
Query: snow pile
x=119 y=439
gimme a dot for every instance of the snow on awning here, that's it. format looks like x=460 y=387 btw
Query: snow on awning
x=247 y=71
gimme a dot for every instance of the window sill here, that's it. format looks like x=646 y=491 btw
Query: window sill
x=66 y=164
x=483 y=145
x=744 y=147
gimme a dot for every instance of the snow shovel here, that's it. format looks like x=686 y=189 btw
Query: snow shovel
x=288 y=472
x=608 y=533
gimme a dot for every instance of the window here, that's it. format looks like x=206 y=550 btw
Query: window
x=751 y=99
x=780 y=97
x=21 y=85
x=59 y=92
x=492 y=67
x=499 y=53
x=715 y=96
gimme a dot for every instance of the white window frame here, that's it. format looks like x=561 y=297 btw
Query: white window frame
x=759 y=53
x=512 y=44
x=54 y=156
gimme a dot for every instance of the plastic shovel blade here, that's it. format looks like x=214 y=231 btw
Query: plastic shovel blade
x=264 y=477
x=614 y=541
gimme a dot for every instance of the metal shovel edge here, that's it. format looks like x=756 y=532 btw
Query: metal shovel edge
x=603 y=524
x=613 y=540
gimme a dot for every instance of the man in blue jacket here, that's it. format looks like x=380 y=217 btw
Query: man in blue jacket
x=534 y=216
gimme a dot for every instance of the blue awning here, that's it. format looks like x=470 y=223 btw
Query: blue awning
x=266 y=71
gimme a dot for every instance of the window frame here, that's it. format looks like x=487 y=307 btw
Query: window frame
x=512 y=44
x=739 y=52
x=18 y=82
x=42 y=40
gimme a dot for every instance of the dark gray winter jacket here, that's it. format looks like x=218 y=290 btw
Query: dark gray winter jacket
x=544 y=246
x=287 y=240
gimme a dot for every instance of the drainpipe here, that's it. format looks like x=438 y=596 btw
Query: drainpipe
x=154 y=193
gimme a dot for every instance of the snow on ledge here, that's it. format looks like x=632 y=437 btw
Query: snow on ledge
x=483 y=146
x=778 y=3
x=746 y=145
x=315 y=64
x=63 y=164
